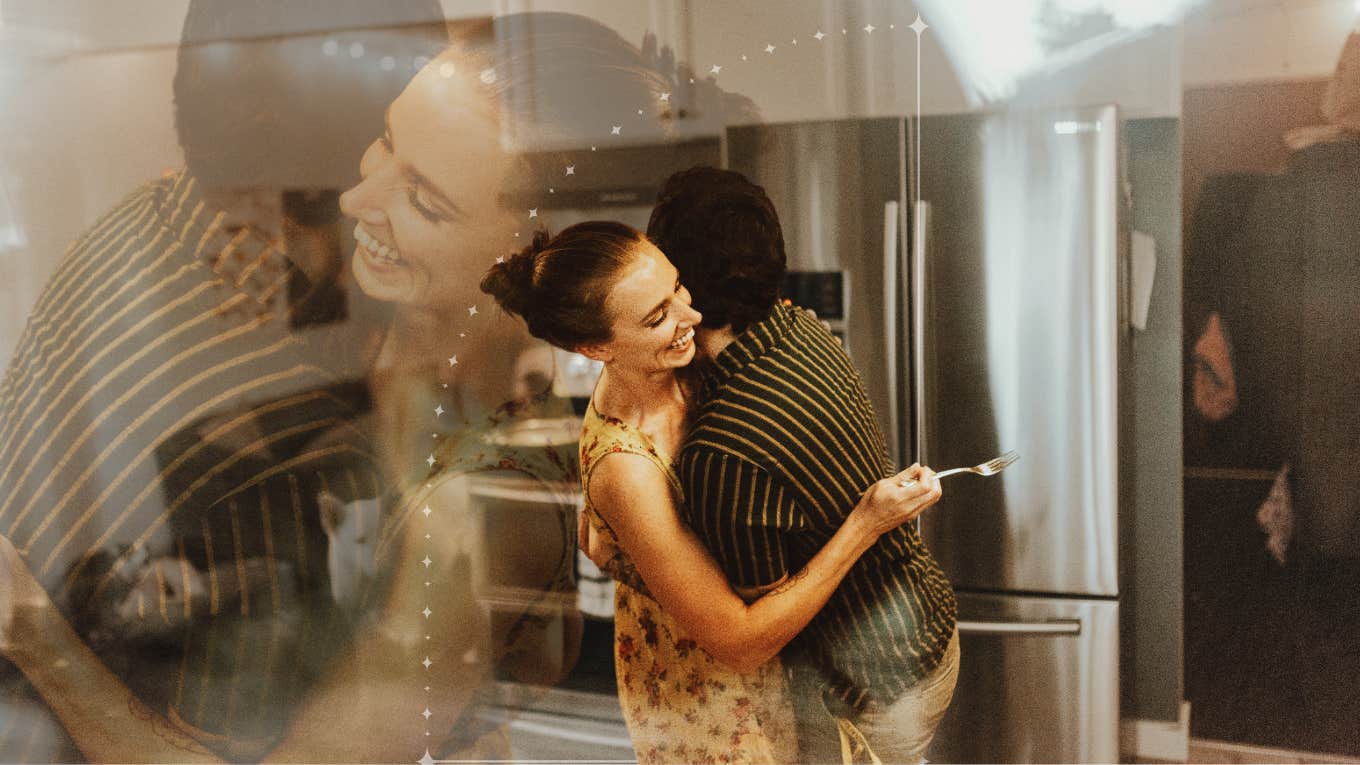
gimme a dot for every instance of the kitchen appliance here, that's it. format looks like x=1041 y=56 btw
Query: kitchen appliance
x=987 y=314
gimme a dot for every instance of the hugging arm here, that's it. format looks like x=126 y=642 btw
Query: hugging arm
x=367 y=708
x=631 y=494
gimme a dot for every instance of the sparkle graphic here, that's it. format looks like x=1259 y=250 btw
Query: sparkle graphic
x=820 y=34
x=615 y=130
x=870 y=29
x=769 y=48
x=533 y=213
x=472 y=310
x=427 y=713
x=715 y=70
x=427 y=561
x=427 y=662
x=439 y=411
x=426 y=510
x=664 y=97
x=427 y=612
x=430 y=460
x=918 y=26
x=571 y=169
x=501 y=259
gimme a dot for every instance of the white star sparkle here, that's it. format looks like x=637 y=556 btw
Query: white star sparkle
x=426 y=714
x=533 y=213
x=665 y=96
x=430 y=460
x=427 y=662
x=715 y=70
x=820 y=34
x=426 y=510
x=869 y=29
x=453 y=362
x=472 y=310
x=427 y=561
x=918 y=26
x=571 y=169
x=427 y=612
x=616 y=129
x=439 y=411
x=769 y=48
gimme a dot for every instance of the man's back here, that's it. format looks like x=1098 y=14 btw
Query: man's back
x=781 y=450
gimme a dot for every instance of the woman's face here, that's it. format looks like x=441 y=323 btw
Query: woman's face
x=653 y=323
x=427 y=217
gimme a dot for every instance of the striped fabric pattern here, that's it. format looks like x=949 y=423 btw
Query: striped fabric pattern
x=161 y=417
x=782 y=448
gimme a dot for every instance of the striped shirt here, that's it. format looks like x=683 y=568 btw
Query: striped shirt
x=164 y=436
x=781 y=450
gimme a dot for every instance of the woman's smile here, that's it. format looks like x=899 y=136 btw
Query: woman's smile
x=683 y=342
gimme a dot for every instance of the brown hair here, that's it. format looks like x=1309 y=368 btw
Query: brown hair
x=559 y=284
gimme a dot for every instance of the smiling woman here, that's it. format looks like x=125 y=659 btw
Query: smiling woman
x=604 y=290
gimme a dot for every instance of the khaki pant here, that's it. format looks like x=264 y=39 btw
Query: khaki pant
x=896 y=733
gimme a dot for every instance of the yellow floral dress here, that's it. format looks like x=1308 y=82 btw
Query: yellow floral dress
x=681 y=704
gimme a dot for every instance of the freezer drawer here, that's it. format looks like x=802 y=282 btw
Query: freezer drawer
x=1038 y=682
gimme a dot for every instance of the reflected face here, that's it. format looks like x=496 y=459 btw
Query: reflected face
x=426 y=210
x=653 y=323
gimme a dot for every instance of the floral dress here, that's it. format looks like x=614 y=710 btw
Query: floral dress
x=681 y=704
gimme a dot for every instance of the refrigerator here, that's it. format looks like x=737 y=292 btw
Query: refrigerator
x=974 y=267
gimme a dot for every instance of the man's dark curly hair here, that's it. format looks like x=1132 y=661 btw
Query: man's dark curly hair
x=722 y=233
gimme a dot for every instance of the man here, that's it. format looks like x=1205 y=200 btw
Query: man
x=783 y=444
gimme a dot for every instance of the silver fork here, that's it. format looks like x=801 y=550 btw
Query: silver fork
x=990 y=467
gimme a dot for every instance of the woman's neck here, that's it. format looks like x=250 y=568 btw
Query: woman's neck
x=630 y=395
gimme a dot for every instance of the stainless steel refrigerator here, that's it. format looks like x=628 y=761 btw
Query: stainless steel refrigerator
x=978 y=284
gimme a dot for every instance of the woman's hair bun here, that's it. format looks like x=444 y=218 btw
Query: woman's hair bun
x=511 y=282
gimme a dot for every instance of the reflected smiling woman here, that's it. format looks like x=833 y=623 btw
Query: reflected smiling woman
x=434 y=209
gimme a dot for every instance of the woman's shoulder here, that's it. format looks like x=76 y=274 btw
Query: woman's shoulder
x=602 y=434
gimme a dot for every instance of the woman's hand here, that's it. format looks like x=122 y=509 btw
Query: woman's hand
x=23 y=602
x=595 y=548
x=895 y=500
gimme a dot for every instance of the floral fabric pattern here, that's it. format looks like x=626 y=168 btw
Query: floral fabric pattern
x=681 y=704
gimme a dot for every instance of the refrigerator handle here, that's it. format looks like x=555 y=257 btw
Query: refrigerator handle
x=920 y=230
x=1051 y=627
x=891 y=322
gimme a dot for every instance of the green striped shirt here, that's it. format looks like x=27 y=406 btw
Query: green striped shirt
x=781 y=450
x=164 y=435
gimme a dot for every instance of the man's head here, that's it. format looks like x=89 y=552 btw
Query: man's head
x=722 y=233
x=287 y=95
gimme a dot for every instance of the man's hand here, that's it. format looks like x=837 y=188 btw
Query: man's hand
x=895 y=500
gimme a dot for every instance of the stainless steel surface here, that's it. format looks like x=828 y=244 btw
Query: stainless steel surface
x=1055 y=627
x=892 y=319
x=1038 y=682
x=1018 y=312
x=830 y=183
x=920 y=248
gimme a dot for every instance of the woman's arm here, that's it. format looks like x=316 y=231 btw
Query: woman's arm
x=633 y=497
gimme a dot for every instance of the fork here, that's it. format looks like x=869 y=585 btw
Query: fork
x=990 y=467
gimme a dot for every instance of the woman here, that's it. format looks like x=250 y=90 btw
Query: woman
x=698 y=679
x=440 y=199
